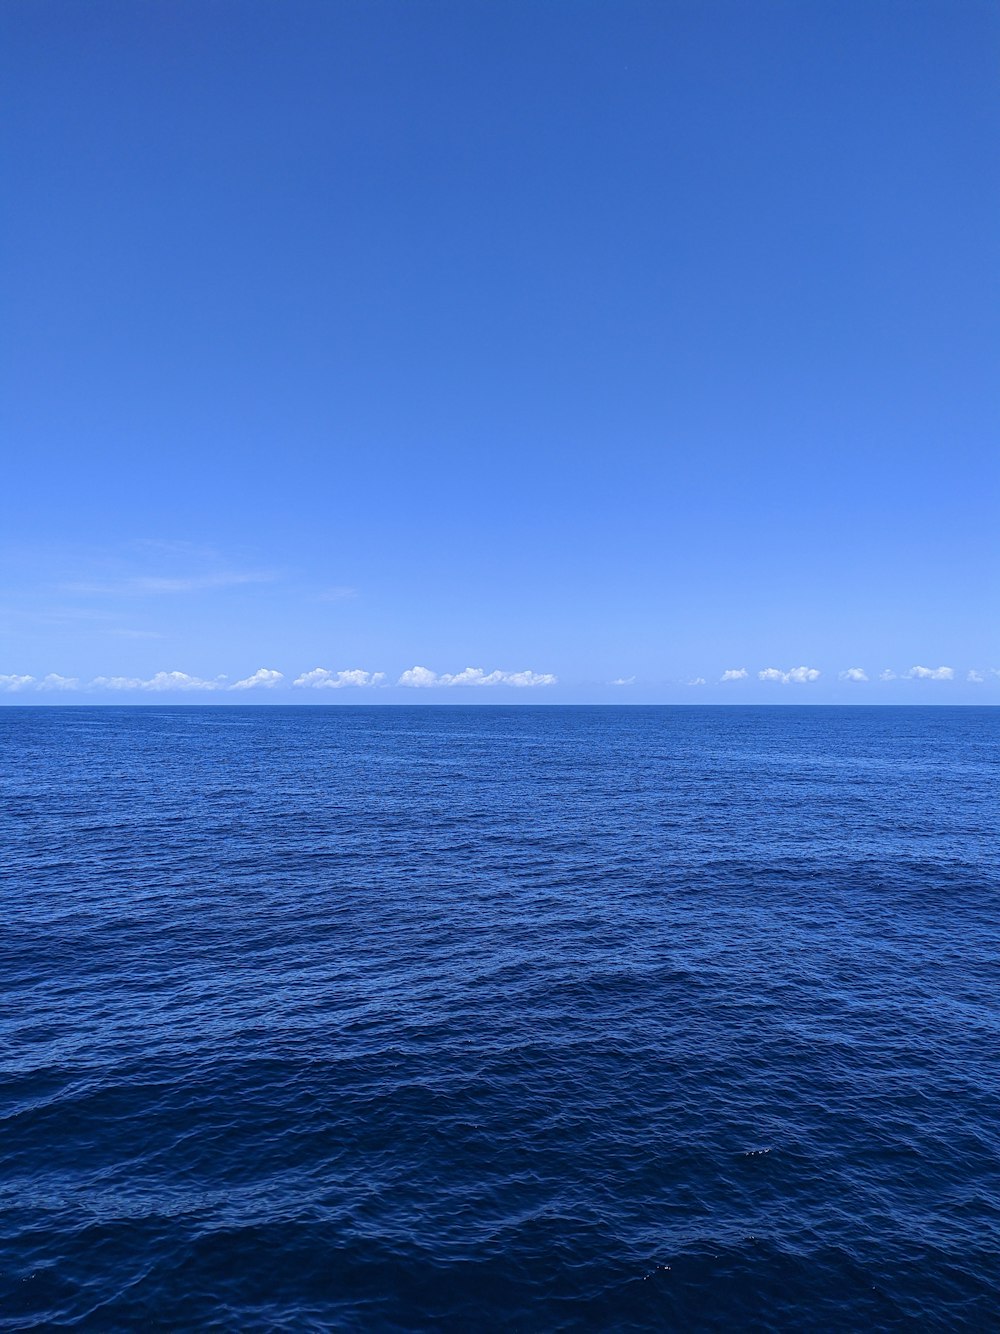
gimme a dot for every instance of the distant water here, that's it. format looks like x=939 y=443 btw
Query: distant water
x=482 y=1018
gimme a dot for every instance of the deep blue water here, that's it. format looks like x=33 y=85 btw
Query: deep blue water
x=475 y=1018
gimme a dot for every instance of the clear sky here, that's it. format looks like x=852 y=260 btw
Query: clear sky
x=604 y=342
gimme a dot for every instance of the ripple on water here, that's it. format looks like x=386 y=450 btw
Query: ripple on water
x=485 y=1018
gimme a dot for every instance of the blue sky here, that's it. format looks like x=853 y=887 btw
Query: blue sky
x=612 y=342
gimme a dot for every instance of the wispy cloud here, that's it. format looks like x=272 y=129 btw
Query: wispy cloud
x=263 y=676
x=854 y=674
x=142 y=585
x=698 y=681
x=338 y=593
x=976 y=677
x=931 y=673
x=322 y=679
x=734 y=674
x=623 y=681
x=177 y=549
x=887 y=675
x=795 y=675
x=424 y=678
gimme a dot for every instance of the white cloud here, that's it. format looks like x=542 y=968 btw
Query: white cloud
x=56 y=682
x=321 y=679
x=161 y=681
x=975 y=676
x=8 y=682
x=797 y=675
x=854 y=674
x=623 y=681
x=804 y=674
x=263 y=676
x=919 y=674
x=735 y=674
x=418 y=677
x=423 y=677
x=470 y=676
x=698 y=681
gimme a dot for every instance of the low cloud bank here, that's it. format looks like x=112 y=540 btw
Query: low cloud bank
x=266 y=678
x=424 y=678
x=919 y=674
x=794 y=676
x=322 y=679
x=162 y=681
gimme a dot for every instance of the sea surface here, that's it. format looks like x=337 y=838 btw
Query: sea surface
x=476 y=1018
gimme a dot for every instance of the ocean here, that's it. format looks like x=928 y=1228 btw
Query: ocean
x=476 y=1018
